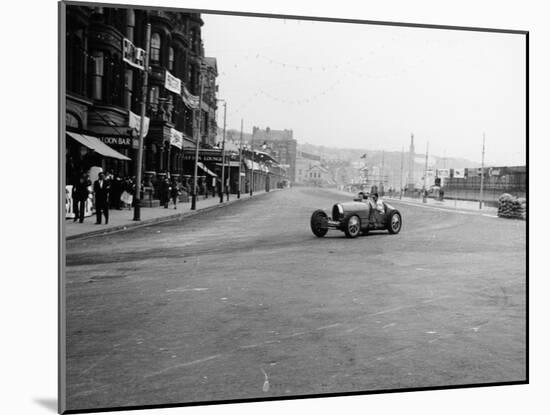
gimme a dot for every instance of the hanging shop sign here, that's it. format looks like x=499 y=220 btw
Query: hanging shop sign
x=443 y=173
x=172 y=84
x=133 y=55
x=192 y=101
x=134 y=121
x=459 y=174
x=176 y=138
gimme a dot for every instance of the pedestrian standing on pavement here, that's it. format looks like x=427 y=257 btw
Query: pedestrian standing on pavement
x=116 y=192
x=80 y=195
x=164 y=191
x=174 y=192
x=101 y=191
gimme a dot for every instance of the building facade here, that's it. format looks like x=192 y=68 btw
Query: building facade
x=104 y=86
x=280 y=144
x=304 y=162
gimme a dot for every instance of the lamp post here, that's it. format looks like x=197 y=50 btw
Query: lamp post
x=240 y=159
x=222 y=184
x=251 y=184
x=424 y=198
x=137 y=212
x=482 y=174
x=198 y=138
x=401 y=176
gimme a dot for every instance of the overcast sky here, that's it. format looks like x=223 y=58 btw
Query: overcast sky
x=366 y=86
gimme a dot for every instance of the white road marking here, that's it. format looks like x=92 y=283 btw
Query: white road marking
x=194 y=362
x=328 y=327
x=265 y=387
x=298 y=334
x=182 y=290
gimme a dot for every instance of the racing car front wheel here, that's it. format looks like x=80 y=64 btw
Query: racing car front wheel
x=394 y=223
x=352 y=227
x=319 y=223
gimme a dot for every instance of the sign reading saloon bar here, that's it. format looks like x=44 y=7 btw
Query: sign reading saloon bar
x=117 y=141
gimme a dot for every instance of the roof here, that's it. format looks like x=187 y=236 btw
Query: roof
x=271 y=135
x=319 y=168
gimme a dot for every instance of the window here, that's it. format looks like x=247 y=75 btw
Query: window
x=170 y=59
x=154 y=98
x=155 y=47
x=97 y=74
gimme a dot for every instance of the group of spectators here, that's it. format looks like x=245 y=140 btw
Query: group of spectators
x=108 y=191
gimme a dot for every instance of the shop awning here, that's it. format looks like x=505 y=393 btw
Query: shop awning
x=206 y=169
x=230 y=164
x=97 y=145
x=252 y=165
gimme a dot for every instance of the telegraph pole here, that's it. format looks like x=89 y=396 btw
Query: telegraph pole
x=482 y=173
x=198 y=139
x=137 y=201
x=424 y=198
x=240 y=160
x=251 y=183
x=401 y=175
x=222 y=187
x=382 y=187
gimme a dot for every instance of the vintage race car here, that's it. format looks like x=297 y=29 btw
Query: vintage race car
x=365 y=213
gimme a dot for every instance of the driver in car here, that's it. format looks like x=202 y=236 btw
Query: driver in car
x=374 y=204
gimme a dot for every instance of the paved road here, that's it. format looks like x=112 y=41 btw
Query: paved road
x=244 y=302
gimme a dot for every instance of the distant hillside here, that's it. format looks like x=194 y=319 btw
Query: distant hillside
x=390 y=161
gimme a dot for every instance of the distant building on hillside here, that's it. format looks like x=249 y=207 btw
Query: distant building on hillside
x=304 y=162
x=318 y=175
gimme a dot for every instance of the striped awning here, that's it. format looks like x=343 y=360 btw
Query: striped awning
x=206 y=169
x=97 y=145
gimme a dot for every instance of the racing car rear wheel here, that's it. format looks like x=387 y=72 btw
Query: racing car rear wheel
x=394 y=223
x=319 y=223
x=352 y=227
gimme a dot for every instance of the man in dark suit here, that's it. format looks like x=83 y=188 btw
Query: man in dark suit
x=101 y=191
x=80 y=196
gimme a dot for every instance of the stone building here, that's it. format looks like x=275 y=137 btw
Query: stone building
x=104 y=78
x=281 y=145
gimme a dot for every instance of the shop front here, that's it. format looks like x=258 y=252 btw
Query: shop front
x=88 y=155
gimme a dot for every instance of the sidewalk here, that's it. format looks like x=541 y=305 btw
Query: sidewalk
x=447 y=203
x=123 y=219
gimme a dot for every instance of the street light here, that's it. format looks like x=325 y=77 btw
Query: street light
x=240 y=159
x=251 y=184
x=198 y=137
x=137 y=212
x=222 y=186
